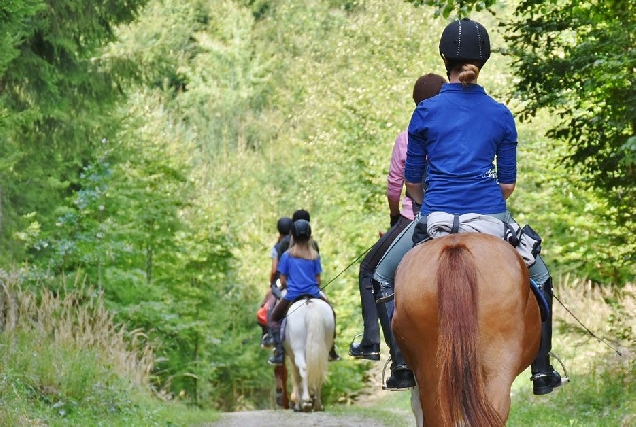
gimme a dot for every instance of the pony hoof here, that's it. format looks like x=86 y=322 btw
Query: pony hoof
x=308 y=407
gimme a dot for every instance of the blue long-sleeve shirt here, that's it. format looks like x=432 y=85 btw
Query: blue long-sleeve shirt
x=461 y=131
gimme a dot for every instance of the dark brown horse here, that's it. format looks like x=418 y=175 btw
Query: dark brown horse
x=468 y=324
x=282 y=399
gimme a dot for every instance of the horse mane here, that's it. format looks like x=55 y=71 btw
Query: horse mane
x=316 y=353
x=462 y=396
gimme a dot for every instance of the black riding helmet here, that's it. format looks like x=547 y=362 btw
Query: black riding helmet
x=465 y=41
x=284 y=225
x=301 y=230
x=301 y=214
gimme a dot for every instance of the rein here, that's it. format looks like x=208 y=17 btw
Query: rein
x=602 y=340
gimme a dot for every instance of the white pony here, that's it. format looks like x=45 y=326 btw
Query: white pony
x=308 y=338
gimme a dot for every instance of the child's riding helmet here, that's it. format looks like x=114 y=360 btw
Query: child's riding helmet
x=301 y=230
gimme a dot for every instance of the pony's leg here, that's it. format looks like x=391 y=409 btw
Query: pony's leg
x=284 y=387
x=280 y=372
x=416 y=407
x=302 y=370
x=295 y=376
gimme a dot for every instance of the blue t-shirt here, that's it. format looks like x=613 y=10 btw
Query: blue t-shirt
x=301 y=275
x=461 y=132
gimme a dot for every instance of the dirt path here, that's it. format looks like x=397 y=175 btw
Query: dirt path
x=283 y=418
x=272 y=418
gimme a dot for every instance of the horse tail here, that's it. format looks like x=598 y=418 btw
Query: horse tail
x=462 y=396
x=316 y=352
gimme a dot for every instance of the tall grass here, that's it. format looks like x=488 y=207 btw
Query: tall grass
x=598 y=350
x=61 y=356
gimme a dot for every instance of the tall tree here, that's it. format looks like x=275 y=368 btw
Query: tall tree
x=577 y=59
x=56 y=95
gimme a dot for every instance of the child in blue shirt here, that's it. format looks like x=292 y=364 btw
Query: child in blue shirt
x=300 y=269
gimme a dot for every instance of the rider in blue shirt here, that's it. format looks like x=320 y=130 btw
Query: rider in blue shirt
x=300 y=269
x=456 y=138
x=461 y=131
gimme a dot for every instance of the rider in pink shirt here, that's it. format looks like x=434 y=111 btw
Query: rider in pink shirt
x=369 y=347
x=395 y=180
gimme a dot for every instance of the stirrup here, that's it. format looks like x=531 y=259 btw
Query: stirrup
x=384 y=380
x=384 y=373
x=564 y=377
x=354 y=340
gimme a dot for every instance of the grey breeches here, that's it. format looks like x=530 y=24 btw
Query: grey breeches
x=385 y=272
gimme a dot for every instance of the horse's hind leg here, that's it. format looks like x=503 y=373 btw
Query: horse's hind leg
x=295 y=394
x=305 y=400
x=318 y=399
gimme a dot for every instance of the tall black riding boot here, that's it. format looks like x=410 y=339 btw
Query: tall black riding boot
x=544 y=377
x=334 y=356
x=401 y=376
x=278 y=357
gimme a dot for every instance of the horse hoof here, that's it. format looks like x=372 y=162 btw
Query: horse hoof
x=308 y=407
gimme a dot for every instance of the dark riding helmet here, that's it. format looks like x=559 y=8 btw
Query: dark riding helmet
x=301 y=214
x=284 y=225
x=465 y=41
x=301 y=230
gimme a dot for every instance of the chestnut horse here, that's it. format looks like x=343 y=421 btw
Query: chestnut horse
x=280 y=373
x=468 y=323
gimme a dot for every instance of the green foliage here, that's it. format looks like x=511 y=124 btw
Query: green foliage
x=63 y=357
x=56 y=100
x=575 y=222
x=462 y=8
x=577 y=59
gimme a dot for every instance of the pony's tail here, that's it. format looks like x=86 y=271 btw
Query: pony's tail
x=316 y=352
x=461 y=387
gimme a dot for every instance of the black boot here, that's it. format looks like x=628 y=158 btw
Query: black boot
x=267 y=341
x=401 y=377
x=278 y=357
x=544 y=377
x=333 y=354
x=364 y=350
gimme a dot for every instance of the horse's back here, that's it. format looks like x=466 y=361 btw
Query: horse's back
x=297 y=312
x=507 y=315
x=506 y=303
x=306 y=314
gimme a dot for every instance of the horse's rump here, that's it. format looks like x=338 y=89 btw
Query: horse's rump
x=309 y=336
x=467 y=323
